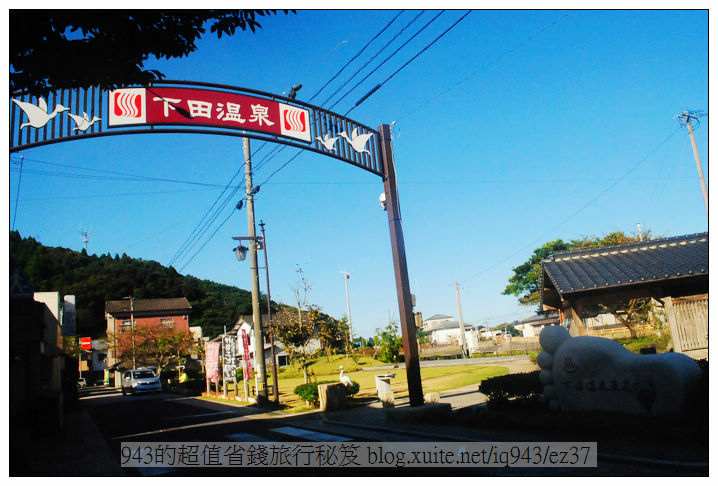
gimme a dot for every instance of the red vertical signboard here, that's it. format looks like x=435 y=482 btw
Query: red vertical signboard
x=245 y=356
x=212 y=361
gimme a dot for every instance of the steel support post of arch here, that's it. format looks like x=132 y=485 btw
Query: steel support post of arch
x=406 y=312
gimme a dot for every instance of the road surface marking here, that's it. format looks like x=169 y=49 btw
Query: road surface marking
x=154 y=471
x=246 y=437
x=310 y=434
x=198 y=415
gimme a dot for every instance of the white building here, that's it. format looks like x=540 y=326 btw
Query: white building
x=442 y=330
x=532 y=326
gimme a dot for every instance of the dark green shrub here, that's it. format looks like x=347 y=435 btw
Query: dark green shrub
x=519 y=385
x=352 y=389
x=309 y=392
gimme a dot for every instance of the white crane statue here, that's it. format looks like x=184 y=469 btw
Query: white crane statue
x=343 y=378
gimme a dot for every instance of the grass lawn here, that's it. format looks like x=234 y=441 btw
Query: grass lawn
x=433 y=379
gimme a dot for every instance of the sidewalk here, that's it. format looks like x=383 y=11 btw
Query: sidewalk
x=78 y=450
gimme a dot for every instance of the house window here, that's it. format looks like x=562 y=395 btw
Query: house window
x=167 y=322
x=126 y=326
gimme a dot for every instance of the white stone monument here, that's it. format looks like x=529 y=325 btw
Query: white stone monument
x=593 y=373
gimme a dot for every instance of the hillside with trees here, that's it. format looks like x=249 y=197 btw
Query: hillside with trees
x=94 y=279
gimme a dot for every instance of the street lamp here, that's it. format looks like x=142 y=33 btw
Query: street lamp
x=349 y=309
x=241 y=253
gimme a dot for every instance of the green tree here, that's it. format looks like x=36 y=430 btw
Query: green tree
x=525 y=283
x=389 y=342
x=52 y=49
x=294 y=331
x=93 y=280
x=333 y=334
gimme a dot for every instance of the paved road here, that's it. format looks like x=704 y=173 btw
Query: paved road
x=169 y=418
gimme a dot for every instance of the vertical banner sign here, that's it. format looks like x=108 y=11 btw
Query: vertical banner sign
x=245 y=356
x=212 y=361
x=229 y=357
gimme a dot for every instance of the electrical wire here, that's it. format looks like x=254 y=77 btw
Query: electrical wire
x=374 y=56
x=355 y=56
x=485 y=66
x=273 y=153
x=17 y=194
x=576 y=213
x=388 y=58
x=376 y=88
x=188 y=239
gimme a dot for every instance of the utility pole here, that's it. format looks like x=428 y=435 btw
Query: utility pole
x=349 y=309
x=275 y=379
x=256 y=314
x=132 y=329
x=686 y=118
x=464 y=348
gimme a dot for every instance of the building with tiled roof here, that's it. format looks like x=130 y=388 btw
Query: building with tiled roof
x=177 y=304
x=663 y=269
x=171 y=313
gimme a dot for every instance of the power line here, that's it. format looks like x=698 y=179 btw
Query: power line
x=179 y=251
x=115 y=195
x=388 y=57
x=373 y=57
x=376 y=88
x=610 y=186
x=273 y=153
x=355 y=56
x=376 y=68
x=117 y=176
x=486 y=66
x=17 y=194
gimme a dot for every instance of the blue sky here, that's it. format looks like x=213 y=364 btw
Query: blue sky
x=515 y=128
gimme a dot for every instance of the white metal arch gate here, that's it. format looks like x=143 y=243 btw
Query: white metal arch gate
x=191 y=107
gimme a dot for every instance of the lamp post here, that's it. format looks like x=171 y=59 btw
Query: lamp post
x=349 y=309
x=275 y=379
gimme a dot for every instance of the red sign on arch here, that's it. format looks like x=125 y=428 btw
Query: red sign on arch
x=161 y=105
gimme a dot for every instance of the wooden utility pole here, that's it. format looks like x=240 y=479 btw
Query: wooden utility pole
x=256 y=313
x=462 y=332
x=275 y=379
x=686 y=118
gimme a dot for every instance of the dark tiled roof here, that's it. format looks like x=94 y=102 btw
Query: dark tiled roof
x=147 y=305
x=629 y=264
x=438 y=316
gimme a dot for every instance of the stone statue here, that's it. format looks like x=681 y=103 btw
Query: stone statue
x=593 y=373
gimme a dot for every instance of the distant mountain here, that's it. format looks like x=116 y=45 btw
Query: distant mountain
x=94 y=279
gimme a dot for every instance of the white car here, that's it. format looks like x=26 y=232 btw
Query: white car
x=81 y=383
x=139 y=381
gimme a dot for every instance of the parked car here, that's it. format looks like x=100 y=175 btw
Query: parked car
x=81 y=383
x=139 y=381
